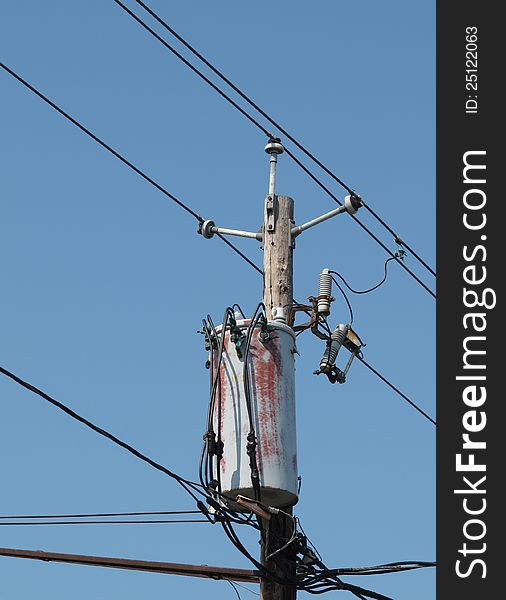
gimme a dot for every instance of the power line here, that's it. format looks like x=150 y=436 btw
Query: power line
x=416 y=407
x=368 y=290
x=119 y=156
x=253 y=104
x=224 y=239
x=193 y=68
x=102 y=522
x=366 y=229
x=388 y=568
x=92 y=515
x=343 y=293
x=247 y=589
x=184 y=483
x=235 y=589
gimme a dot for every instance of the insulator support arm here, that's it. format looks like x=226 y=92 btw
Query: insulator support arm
x=208 y=229
x=350 y=206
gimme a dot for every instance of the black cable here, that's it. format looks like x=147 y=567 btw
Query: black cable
x=265 y=572
x=92 y=515
x=223 y=512
x=358 y=591
x=194 y=69
x=184 y=483
x=244 y=587
x=122 y=159
x=374 y=287
x=345 y=297
x=102 y=143
x=239 y=309
x=252 y=438
x=366 y=229
x=361 y=359
x=323 y=582
x=266 y=116
x=237 y=251
x=102 y=522
x=235 y=589
x=209 y=436
x=398 y=240
x=382 y=569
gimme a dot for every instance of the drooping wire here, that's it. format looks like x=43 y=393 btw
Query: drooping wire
x=247 y=589
x=239 y=309
x=346 y=299
x=235 y=589
x=316 y=578
x=189 y=486
x=264 y=114
x=391 y=385
x=374 y=287
x=241 y=254
x=123 y=159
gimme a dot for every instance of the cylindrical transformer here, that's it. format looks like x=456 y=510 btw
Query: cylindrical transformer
x=270 y=364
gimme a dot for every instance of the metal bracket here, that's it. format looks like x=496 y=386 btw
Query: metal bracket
x=350 y=206
x=208 y=229
x=315 y=318
x=271 y=219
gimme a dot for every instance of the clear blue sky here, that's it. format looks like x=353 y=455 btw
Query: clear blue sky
x=105 y=282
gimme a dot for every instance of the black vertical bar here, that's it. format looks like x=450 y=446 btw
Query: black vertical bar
x=470 y=240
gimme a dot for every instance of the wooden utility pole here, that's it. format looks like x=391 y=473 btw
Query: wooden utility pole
x=278 y=255
x=278 y=294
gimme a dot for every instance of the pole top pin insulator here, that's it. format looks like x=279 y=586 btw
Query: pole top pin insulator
x=274 y=146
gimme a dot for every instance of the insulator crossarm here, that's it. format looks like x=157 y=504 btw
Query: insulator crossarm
x=350 y=206
x=208 y=229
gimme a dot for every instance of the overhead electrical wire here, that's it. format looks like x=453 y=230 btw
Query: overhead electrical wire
x=395 y=567
x=241 y=254
x=102 y=522
x=360 y=357
x=376 y=238
x=367 y=291
x=245 y=97
x=121 y=158
x=350 y=309
x=93 y=515
x=246 y=588
x=384 y=379
x=189 y=486
x=235 y=589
